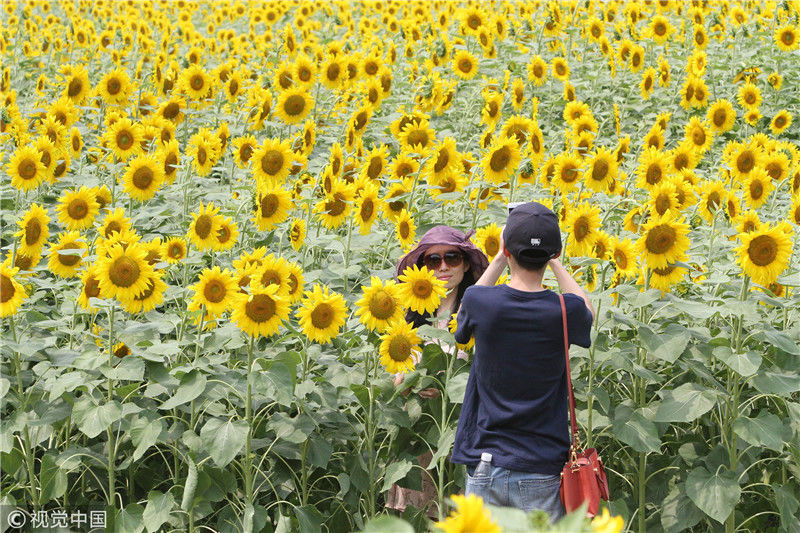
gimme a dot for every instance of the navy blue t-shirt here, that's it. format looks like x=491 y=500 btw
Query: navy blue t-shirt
x=515 y=406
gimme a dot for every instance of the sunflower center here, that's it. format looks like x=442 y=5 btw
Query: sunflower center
x=270 y=277
x=698 y=137
x=114 y=86
x=780 y=121
x=500 y=158
x=681 y=161
x=74 y=88
x=750 y=97
x=322 y=316
x=422 y=288
x=272 y=162
x=660 y=239
x=569 y=173
x=175 y=251
x=745 y=162
x=375 y=168
x=201 y=155
x=662 y=203
x=92 y=288
x=77 y=209
x=335 y=206
x=654 y=174
x=260 y=308
x=763 y=250
x=399 y=348
x=269 y=205
x=719 y=117
x=171 y=110
x=621 y=259
x=170 y=163
x=787 y=38
x=202 y=226
x=7 y=289
x=293 y=283
x=124 y=139
x=33 y=230
x=124 y=271
x=233 y=87
x=294 y=105
x=465 y=65
x=418 y=137
x=214 y=291
x=224 y=234
x=245 y=152
x=382 y=305
x=122 y=351
x=142 y=178
x=756 y=189
x=775 y=170
x=197 y=82
x=69 y=259
x=600 y=170
x=474 y=22
x=111 y=228
x=367 y=209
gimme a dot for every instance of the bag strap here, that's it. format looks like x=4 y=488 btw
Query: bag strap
x=573 y=423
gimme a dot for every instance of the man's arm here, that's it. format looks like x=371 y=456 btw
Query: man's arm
x=567 y=283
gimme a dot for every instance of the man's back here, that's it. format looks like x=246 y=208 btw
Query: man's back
x=515 y=405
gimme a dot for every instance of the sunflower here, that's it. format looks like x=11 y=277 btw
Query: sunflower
x=787 y=37
x=664 y=277
x=66 y=256
x=273 y=270
x=375 y=163
x=367 y=206
x=470 y=516
x=582 y=225
x=12 y=292
x=294 y=105
x=749 y=96
x=405 y=230
x=537 y=70
x=623 y=254
x=76 y=84
x=417 y=136
x=124 y=273
x=465 y=65
x=696 y=132
x=560 y=68
x=90 y=288
x=421 y=289
x=170 y=155
x=296 y=282
x=683 y=157
x=227 y=233
x=664 y=240
x=663 y=198
x=322 y=314
x=568 y=170
x=747 y=222
x=743 y=159
x=143 y=177
x=721 y=116
x=243 y=149
x=487 y=239
x=77 y=209
x=195 y=82
x=173 y=109
x=260 y=312
x=297 y=233
x=175 y=250
x=333 y=72
x=26 y=169
x=334 y=208
x=602 y=169
x=781 y=121
x=204 y=227
x=115 y=87
x=114 y=222
x=272 y=207
x=124 y=238
x=764 y=253
x=150 y=298
x=501 y=160
x=215 y=290
x=272 y=161
x=399 y=347
x=648 y=83
x=124 y=138
x=757 y=188
x=379 y=304
x=34 y=230
x=653 y=165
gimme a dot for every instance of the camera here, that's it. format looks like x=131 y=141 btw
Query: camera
x=512 y=205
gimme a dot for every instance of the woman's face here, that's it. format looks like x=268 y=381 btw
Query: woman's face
x=451 y=275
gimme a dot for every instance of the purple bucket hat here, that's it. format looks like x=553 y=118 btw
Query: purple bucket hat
x=451 y=237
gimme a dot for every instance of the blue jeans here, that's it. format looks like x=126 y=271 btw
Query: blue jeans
x=522 y=490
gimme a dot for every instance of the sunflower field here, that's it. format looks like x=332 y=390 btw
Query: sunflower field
x=203 y=204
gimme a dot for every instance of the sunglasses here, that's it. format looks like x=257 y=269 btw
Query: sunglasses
x=434 y=261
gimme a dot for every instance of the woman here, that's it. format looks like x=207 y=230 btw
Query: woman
x=454 y=259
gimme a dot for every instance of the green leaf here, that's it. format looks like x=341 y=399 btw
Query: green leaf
x=782 y=341
x=774 y=383
x=53 y=480
x=744 y=364
x=295 y=430
x=509 y=519
x=787 y=505
x=678 y=512
x=129 y=520
x=685 y=403
x=131 y=368
x=395 y=473
x=144 y=434
x=445 y=444
x=667 y=346
x=276 y=381
x=192 y=385
x=457 y=387
x=715 y=494
x=309 y=518
x=319 y=452
x=632 y=428
x=223 y=439
x=92 y=420
x=384 y=524
x=159 y=506
x=764 y=430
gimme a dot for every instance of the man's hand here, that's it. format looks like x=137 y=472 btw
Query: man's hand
x=427 y=394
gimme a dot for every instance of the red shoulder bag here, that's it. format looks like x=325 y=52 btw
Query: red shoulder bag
x=583 y=478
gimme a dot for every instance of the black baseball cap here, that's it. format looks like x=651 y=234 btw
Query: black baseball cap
x=532 y=232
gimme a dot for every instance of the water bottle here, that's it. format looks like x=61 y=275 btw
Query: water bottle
x=484 y=468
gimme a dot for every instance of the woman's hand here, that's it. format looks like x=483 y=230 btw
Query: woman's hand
x=427 y=394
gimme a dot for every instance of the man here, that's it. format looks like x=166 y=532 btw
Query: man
x=515 y=405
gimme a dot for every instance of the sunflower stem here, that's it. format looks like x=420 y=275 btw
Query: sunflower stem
x=347 y=252
x=248 y=459
x=711 y=241
x=110 y=396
